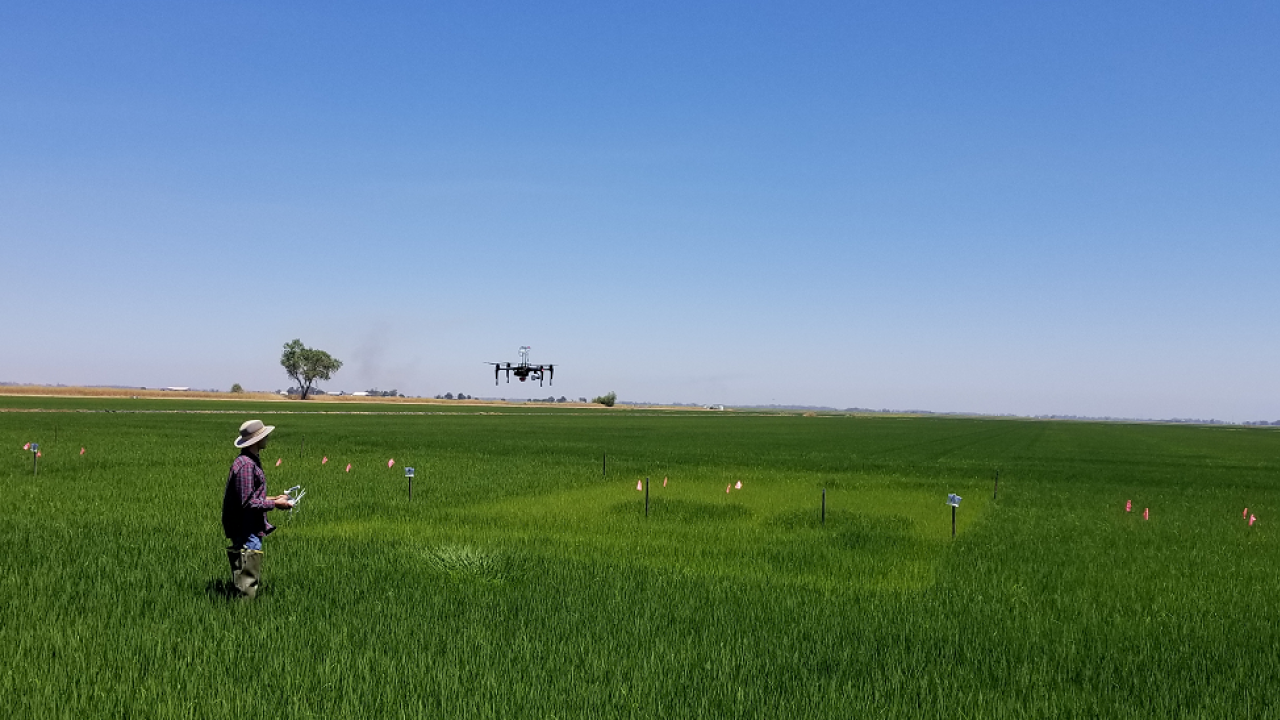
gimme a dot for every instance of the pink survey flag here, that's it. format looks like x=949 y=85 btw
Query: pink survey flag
x=348 y=467
x=1146 y=513
x=1128 y=506
x=278 y=461
x=1245 y=514
x=81 y=451
x=738 y=486
x=27 y=446
x=39 y=454
x=391 y=462
x=1251 y=519
x=639 y=484
x=325 y=460
x=664 y=482
x=727 y=488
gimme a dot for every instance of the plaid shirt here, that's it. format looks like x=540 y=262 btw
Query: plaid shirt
x=245 y=503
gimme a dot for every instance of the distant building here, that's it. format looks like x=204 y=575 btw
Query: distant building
x=360 y=393
x=178 y=389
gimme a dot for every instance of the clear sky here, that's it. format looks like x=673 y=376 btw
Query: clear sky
x=1031 y=208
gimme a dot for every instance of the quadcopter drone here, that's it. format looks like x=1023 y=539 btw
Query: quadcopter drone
x=523 y=370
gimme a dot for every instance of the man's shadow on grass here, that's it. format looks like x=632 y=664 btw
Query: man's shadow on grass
x=223 y=590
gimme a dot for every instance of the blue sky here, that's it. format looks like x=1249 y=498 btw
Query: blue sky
x=990 y=207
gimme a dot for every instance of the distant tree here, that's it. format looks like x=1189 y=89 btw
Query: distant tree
x=235 y=388
x=562 y=399
x=448 y=396
x=607 y=400
x=582 y=400
x=306 y=365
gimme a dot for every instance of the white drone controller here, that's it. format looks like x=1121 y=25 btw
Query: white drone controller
x=295 y=493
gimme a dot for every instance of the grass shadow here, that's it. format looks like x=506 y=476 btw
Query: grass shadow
x=221 y=590
x=688 y=511
x=851 y=530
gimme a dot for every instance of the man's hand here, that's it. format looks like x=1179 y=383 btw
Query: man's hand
x=282 y=502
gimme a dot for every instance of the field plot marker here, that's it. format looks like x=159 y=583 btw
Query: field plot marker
x=646 y=496
x=954 y=501
x=35 y=458
x=604 y=465
x=996 y=491
x=408 y=473
x=824 y=506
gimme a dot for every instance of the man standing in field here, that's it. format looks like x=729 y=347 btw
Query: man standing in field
x=245 y=506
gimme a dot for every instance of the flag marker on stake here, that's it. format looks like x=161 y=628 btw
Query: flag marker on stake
x=1245 y=515
x=1146 y=513
x=738 y=486
x=1128 y=506
x=1251 y=519
x=639 y=485
x=27 y=446
x=278 y=461
x=348 y=467
x=81 y=451
x=664 y=482
x=727 y=488
x=325 y=460
x=391 y=462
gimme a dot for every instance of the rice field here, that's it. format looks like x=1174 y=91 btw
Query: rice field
x=524 y=579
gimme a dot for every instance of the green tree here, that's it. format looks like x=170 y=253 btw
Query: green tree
x=235 y=388
x=607 y=400
x=306 y=365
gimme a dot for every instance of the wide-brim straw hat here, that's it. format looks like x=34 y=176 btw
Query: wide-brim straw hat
x=251 y=432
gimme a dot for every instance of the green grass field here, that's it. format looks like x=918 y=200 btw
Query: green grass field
x=520 y=582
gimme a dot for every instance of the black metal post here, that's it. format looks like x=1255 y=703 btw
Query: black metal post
x=997 y=488
x=646 y=497
x=604 y=465
x=824 y=506
x=953 y=521
x=411 y=489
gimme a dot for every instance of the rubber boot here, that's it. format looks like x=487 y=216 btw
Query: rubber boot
x=246 y=571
